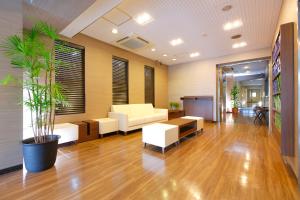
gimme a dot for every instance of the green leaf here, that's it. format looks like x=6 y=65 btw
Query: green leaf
x=9 y=80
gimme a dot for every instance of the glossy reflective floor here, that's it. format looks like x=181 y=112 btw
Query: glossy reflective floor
x=233 y=160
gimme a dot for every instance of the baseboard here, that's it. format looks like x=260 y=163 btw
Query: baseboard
x=11 y=169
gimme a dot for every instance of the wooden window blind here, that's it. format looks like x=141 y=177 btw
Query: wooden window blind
x=71 y=77
x=120 y=81
x=149 y=85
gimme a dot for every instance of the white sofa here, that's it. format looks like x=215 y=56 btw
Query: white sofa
x=135 y=116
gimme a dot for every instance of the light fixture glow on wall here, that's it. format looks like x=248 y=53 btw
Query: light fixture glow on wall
x=239 y=45
x=143 y=18
x=176 y=42
x=195 y=54
x=232 y=25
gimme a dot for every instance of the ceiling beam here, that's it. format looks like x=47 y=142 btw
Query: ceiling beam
x=89 y=16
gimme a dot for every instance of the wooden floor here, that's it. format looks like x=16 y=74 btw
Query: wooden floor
x=228 y=161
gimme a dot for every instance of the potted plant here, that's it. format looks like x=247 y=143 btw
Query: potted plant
x=34 y=53
x=235 y=99
x=174 y=105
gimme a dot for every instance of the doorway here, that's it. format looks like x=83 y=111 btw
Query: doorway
x=250 y=77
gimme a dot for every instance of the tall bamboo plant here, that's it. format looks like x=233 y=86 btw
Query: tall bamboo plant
x=34 y=53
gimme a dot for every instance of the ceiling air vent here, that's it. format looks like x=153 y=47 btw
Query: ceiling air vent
x=133 y=42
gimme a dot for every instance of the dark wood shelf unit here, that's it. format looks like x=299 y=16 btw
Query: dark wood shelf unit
x=286 y=135
x=172 y=114
x=200 y=106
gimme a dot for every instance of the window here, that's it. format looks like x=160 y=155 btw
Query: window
x=120 y=81
x=149 y=85
x=71 y=77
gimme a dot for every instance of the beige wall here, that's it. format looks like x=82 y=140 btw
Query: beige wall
x=98 y=78
x=10 y=110
x=199 y=78
x=289 y=14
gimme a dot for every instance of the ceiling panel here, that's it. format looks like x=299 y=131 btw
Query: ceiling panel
x=198 y=22
x=58 y=13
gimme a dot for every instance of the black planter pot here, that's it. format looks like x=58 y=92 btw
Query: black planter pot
x=42 y=156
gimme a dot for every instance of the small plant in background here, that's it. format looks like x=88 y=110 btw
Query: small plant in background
x=174 y=105
x=235 y=98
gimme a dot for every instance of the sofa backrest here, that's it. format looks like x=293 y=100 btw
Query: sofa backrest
x=134 y=110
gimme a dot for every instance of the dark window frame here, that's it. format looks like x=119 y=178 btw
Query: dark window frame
x=146 y=67
x=126 y=79
x=82 y=110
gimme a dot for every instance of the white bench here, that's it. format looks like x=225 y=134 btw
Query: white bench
x=68 y=132
x=200 y=120
x=159 y=134
x=107 y=125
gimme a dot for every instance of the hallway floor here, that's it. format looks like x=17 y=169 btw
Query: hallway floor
x=232 y=160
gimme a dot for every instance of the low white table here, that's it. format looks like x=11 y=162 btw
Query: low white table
x=161 y=135
x=107 y=125
x=200 y=121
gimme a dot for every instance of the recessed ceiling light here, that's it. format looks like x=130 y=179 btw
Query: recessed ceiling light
x=239 y=45
x=174 y=59
x=195 y=54
x=246 y=67
x=143 y=19
x=227 y=8
x=176 y=42
x=114 y=31
x=165 y=55
x=232 y=25
x=236 y=36
x=153 y=49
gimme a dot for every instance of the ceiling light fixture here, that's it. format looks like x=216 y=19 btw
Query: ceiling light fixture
x=232 y=25
x=153 y=49
x=165 y=55
x=143 y=19
x=176 y=42
x=246 y=67
x=239 y=45
x=174 y=59
x=195 y=54
x=115 y=31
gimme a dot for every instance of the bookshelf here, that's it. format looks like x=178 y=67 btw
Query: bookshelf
x=282 y=115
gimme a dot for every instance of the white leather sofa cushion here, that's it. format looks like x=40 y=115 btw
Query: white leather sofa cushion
x=134 y=121
x=121 y=109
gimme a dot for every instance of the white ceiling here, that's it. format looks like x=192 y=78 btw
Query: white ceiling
x=189 y=20
x=58 y=13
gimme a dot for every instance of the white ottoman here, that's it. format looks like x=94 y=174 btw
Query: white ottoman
x=161 y=135
x=107 y=125
x=68 y=132
x=199 y=121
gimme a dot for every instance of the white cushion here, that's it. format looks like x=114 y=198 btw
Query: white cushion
x=134 y=121
x=107 y=125
x=68 y=132
x=138 y=110
x=199 y=121
x=160 y=134
x=121 y=109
